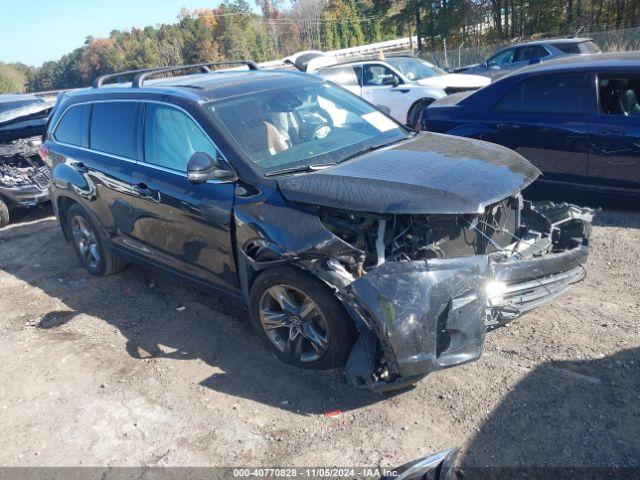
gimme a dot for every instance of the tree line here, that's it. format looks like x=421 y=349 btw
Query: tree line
x=233 y=30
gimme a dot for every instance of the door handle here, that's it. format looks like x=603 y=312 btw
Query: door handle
x=146 y=192
x=510 y=126
x=81 y=167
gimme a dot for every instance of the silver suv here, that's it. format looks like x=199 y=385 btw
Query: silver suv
x=517 y=56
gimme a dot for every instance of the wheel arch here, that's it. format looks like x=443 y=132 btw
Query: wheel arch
x=63 y=204
x=423 y=101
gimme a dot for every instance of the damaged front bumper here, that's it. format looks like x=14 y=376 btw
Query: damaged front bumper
x=421 y=316
x=523 y=285
x=427 y=316
x=25 y=196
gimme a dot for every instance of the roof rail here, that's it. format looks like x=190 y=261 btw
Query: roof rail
x=143 y=73
x=138 y=81
x=99 y=81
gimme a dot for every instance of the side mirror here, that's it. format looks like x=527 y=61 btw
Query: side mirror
x=202 y=167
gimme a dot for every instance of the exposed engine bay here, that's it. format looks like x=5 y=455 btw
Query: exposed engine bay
x=20 y=164
x=24 y=178
x=424 y=237
x=509 y=228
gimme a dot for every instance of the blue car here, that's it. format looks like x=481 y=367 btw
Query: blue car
x=576 y=119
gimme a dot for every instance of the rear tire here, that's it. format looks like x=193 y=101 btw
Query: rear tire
x=4 y=213
x=415 y=110
x=90 y=244
x=300 y=319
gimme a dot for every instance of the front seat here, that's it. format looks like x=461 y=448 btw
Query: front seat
x=628 y=102
x=368 y=77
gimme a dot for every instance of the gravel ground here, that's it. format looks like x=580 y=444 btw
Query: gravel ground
x=114 y=372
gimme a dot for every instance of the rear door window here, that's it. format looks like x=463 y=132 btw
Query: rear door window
x=619 y=95
x=73 y=128
x=547 y=94
x=114 y=128
x=530 y=52
x=171 y=137
x=345 y=76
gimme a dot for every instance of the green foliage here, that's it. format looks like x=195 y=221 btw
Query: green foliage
x=233 y=31
x=13 y=78
x=478 y=21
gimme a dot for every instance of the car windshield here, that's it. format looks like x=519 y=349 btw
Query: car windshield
x=316 y=124
x=416 y=69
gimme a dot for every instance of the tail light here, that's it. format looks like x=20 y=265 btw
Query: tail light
x=43 y=151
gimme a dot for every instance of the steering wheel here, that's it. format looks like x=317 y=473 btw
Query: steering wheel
x=322 y=130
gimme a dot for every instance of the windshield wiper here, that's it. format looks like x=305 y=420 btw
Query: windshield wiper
x=299 y=169
x=369 y=149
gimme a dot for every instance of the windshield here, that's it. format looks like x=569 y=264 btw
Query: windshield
x=416 y=69
x=318 y=123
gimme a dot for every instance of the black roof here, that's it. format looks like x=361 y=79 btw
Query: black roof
x=211 y=85
x=585 y=62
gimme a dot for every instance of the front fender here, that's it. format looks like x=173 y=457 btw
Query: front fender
x=420 y=92
x=478 y=131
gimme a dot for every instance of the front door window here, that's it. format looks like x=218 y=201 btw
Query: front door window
x=171 y=137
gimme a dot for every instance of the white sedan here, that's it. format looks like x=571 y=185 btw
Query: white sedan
x=400 y=86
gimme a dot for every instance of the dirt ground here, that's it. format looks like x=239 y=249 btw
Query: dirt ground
x=114 y=372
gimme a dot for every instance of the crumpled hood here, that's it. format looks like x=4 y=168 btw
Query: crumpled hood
x=431 y=173
x=25 y=110
x=24 y=121
x=456 y=80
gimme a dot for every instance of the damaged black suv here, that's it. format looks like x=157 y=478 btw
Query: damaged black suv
x=351 y=239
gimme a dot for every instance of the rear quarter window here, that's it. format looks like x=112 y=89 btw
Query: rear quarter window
x=567 y=47
x=73 y=128
x=589 y=47
x=114 y=128
x=576 y=48
x=342 y=76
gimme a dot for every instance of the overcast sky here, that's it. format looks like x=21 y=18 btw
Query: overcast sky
x=34 y=31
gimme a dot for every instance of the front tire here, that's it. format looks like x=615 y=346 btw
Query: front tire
x=414 y=112
x=4 y=213
x=90 y=245
x=300 y=319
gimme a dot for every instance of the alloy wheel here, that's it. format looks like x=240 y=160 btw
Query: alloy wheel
x=86 y=241
x=294 y=323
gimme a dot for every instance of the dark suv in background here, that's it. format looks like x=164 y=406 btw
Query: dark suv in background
x=576 y=119
x=349 y=238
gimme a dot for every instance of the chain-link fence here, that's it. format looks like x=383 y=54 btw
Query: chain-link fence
x=618 y=40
